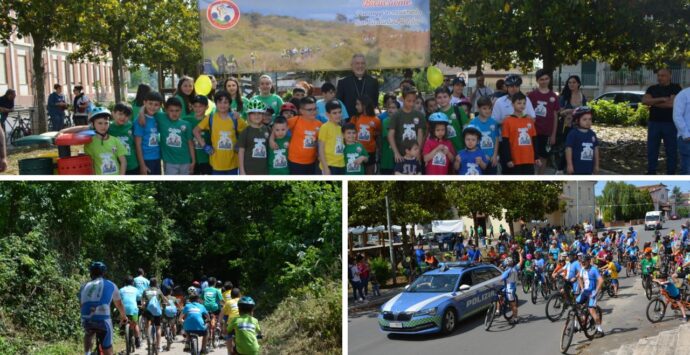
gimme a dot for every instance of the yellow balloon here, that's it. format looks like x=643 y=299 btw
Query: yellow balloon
x=203 y=85
x=434 y=76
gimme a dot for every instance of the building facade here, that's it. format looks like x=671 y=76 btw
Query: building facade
x=16 y=72
x=660 y=199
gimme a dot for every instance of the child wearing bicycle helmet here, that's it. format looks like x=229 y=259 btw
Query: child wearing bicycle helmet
x=244 y=331
x=194 y=316
x=471 y=160
x=253 y=142
x=582 y=145
x=107 y=153
x=669 y=286
x=438 y=150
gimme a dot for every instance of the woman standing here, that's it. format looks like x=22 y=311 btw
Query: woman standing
x=571 y=98
x=267 y=96
x=185 y=93
x=239 y=102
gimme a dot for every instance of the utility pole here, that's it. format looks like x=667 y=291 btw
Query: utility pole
x=390 y=238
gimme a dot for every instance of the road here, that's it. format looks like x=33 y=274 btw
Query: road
x=624 y=322
x=176 y=349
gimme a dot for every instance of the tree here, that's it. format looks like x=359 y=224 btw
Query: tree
x=46 y=22
x=621 y=202
x=677 y=195
x=529 y=200
x=476 y=198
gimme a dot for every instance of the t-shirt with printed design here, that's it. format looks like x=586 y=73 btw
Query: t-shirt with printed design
x=520 y=131
x=245 y=329
x=304 y=141
x=545 y=107
x=406 y=126
x=175 y=136
x=457 y=124
x=150 y=137
x=490 y=132
x=334 y=144
x=125 y=135
x=468 y=161
x=408 y=167
x=353 y=152
x=583 y=145
x=368 y=128
x=273 y=101
x=439 y=164
x=277 y=159
x=105 y=155
x=255 y=143
x=201 y=155
x=223 y=140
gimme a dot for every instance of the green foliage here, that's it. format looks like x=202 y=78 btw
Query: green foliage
x=609 y=113
x=621 y=202
x=683 y=212
x=273 y=239
x=381 y=268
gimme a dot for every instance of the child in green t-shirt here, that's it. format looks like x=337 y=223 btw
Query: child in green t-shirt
x=253 y=155
x=244 y=330
x=200 y=105
x=121 y=127
x=355 y=154
x=277 y=158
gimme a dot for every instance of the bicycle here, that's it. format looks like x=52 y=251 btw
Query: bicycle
x=648 y=285
x=152 y=349
x=501 y=306
x=537 y=288
x=130 y=342
x=527 y=280
x=559 y=302
x=21 y=129
x=193 y=343
x=167 y=332
x=608 y=286
x=217 y=341
x=579 y=313
x=656 y=309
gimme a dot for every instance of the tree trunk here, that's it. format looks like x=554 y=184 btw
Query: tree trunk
x=479 y=71
x=40 y=126
x=549 y=63
x=474 y=225
x=117 y=79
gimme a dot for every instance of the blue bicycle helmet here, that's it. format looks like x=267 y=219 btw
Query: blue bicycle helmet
x=98 y=265
x=100 y=112
x=439 y=117
x=246 y=300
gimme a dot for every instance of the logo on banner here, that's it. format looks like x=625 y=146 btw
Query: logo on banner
x=223 y=14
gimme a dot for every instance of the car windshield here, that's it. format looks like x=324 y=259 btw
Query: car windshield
x=434 y=283
x=652 y=218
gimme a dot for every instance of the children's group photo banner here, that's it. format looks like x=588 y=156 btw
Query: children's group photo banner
x=250 y=36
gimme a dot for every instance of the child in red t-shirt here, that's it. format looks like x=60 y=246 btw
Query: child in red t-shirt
x=438 y=150
x=518 y=140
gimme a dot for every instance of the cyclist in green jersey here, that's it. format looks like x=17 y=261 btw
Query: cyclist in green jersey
x=213 y=302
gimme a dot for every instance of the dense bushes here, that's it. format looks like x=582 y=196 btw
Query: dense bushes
x=381 y=268
x=607 y=112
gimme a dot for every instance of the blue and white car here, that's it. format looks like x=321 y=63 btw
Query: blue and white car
x=439 y=298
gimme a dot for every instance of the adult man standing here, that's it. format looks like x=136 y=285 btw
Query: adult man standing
x=56 y=108
x=357 y=85
x=6 y=106
x=3 y=151
x=681 y=118
x=660 y=126
x=481 y=91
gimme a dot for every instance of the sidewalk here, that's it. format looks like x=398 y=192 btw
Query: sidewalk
x=372 y=301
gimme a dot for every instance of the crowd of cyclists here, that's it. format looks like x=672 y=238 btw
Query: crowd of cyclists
x=578 y=269
x=209 y=309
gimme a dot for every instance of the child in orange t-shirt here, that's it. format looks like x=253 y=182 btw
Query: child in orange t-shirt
x=303 y=152
x=368 y=129
x=518 y=140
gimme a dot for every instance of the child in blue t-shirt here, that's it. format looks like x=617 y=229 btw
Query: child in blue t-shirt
x=673 y=292
x=489 y=128
x=582 y=145
x=471 y=160
x=146 y=138
x=328 y=92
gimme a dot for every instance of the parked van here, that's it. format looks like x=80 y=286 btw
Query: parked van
x=653 y=220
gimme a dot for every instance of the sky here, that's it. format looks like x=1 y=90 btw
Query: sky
x=324 y=10
x=684 y=185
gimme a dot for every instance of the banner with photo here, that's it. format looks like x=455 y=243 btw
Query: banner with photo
x=249 y=36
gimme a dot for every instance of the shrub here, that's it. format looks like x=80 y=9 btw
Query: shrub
x=609 y=113
x=382 y=269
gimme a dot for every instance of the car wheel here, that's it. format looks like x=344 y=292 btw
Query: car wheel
x=449 y=320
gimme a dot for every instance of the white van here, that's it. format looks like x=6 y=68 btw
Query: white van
x=653 y=220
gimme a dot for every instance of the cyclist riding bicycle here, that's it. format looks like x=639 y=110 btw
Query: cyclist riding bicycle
x=194 y=317
x=539 y=266
x=590 y=282
x=213 y=301
x=574 y=269
x=170 y=311
x=141 y=283
x=509 y=278
x=244 y=331
x=673 y=292
x=129 y=295
x=631 y=251
x=153 y=300
x=611 y=269
x=95 y=298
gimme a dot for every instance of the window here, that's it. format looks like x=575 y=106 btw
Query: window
x=466 y=279
x=589 y=73
x=3 y=68
x=479 y=276
x=56 y=71
x=71 y=73
x=21 y=69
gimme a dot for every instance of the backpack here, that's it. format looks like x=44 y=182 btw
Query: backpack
x=154 y=306
x=170 y=308
x=618 y=266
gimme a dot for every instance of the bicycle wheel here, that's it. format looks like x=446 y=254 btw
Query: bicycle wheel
x=534 y=294
x=555 y=307
x=194 y=345
x=507 y=310
x=168 y=337
x=545 y=290
x=611 y=290
x=656 y=309
x=627 y=271
x=150 y=343
x=153 y=349
x=526 y=284
x=648 y=291
x=129 y=340
x=590 y=324
x=489 y=317
x=16 y=133
x=568 y=331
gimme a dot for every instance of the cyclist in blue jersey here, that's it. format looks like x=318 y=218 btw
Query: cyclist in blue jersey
x=509 y=277
x=590 y=282
x=95 y=298
x=141 y=283
x=167 y=285
x=195 y=317
x=573 y=270
x=539 y=266
x=129 y=295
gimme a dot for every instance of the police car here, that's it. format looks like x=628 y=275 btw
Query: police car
x=439 y=298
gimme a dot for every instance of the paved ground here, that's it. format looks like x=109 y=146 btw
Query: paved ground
x=176 y=349
x=624 y=322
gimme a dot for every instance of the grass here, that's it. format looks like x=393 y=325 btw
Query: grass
x=14 y=156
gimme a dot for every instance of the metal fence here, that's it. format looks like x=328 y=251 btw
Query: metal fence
x=643 y=77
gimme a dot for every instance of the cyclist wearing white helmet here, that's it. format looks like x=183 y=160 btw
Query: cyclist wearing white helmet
x=194 y=316
x=503 y=107
x=509 y=277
